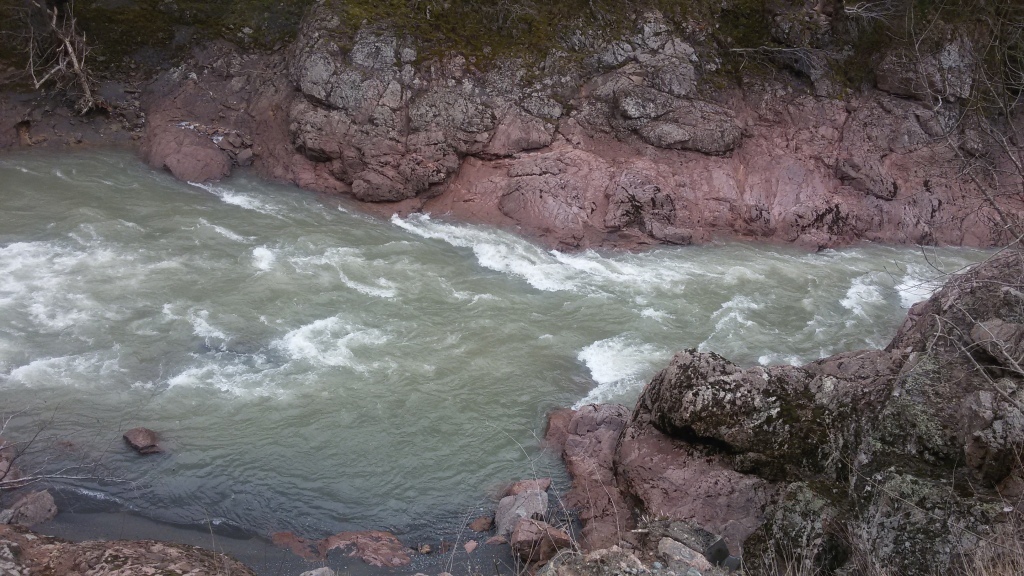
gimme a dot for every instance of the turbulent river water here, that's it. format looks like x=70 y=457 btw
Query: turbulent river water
x=314 y=369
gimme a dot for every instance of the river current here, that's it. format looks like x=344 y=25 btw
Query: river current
x=314 y=369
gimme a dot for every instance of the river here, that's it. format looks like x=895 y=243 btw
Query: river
x=314 y=369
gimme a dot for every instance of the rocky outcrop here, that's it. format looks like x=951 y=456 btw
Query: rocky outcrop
x=620 y=143
x=906 y=456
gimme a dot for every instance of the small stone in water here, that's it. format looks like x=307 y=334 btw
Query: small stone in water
x=657 y=565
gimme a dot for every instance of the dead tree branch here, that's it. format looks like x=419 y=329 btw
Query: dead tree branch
x=57 y=55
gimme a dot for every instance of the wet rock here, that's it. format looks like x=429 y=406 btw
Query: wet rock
x=482 y=524
x=301 y=547
x=531 y=504
x=142 y=440
x=441 y=136
x=537 y=484
x=374 y=547
x=589 y=454
x=537 y=541
x=33 y=508
x=557 y=428
x=244 y=157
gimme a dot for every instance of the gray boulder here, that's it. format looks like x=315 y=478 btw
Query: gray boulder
x=531 y=504
x=33 y=508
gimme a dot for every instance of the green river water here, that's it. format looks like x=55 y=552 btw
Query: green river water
x=314 y=369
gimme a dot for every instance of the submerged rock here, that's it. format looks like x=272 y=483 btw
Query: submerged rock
x=142 y=440
x=482 y=524
x=375 y=547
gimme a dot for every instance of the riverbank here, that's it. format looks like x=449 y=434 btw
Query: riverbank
x=630 y=137
x=620 y=142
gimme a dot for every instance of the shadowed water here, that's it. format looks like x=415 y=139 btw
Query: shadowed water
x=313 y=369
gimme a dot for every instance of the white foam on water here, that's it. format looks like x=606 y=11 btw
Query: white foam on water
x=659 y=315
x=775 y=358
x=43 y=279
x=496 y=251
x=918 y=284
x=732 y=311
x=730 y=319
x=331 y=342
x=131 y=225
x=230 y=235
x=237 y=198
x=346 y=262
x=52 y=316
x=233 y=376
x=737 y=274
x=263 y=258
x=617 y=365
x=73 y=370
x=863 y=292
x=200 y=321
x=384 y=288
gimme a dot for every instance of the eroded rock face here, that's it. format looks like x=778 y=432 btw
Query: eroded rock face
x=625 y=147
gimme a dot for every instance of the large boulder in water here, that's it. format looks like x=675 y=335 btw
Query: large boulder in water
x=142 y=440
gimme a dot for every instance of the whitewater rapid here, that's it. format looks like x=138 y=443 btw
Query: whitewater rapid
x=313 y=369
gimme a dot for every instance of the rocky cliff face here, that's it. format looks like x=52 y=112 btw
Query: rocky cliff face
x=605 y=144
x=907 y=456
